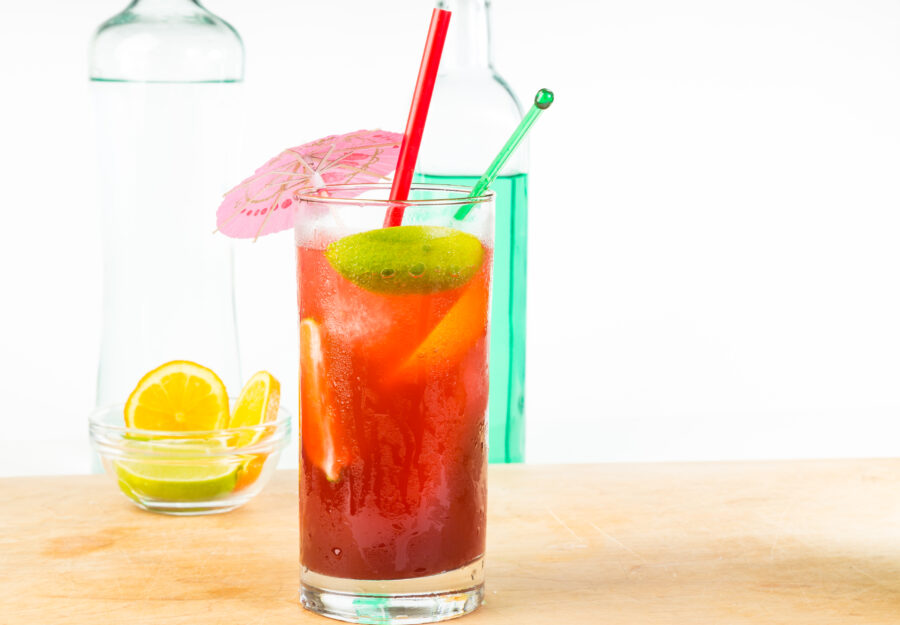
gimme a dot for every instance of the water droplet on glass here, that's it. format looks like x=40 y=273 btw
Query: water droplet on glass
x=387 y=273
x=417 y=270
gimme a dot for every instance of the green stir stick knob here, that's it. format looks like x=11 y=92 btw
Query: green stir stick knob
x=542 y=101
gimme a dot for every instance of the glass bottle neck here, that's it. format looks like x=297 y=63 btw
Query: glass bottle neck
x=468 y=44
x=164 y=6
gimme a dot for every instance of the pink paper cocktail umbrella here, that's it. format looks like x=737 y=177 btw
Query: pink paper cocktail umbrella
x=264 y=203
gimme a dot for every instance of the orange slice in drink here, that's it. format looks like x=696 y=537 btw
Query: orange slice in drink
x=178 y=396
x=452 y=337
x=319 y=427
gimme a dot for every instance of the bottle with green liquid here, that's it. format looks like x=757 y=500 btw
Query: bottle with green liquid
x=473 y=111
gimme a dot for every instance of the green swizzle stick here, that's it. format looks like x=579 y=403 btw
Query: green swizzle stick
x=542 y=101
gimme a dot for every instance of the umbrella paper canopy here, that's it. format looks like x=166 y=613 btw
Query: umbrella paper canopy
x=264 y=202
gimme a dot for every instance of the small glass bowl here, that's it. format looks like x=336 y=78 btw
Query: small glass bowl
x=188 y=473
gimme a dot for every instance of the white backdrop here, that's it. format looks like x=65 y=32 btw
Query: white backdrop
x=714 y=219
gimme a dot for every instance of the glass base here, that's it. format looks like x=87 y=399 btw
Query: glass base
x=184 y=508
x=187 y=509
x=416 y=600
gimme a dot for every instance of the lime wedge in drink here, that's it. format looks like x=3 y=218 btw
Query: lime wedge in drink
x=199 y=480
x=407 y=259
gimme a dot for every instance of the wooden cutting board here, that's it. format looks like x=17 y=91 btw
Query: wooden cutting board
x=813 y=542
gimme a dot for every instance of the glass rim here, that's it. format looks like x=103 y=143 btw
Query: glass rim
x=96 y=422
x=462 y=198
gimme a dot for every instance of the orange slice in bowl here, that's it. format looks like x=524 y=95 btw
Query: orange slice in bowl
x=257 y=404
x=178 y=396
x=320 y=431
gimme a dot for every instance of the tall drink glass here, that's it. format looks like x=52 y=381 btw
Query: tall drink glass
x=393 y=397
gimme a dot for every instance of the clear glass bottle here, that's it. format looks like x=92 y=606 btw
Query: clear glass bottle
x=473 y=112
x=164 y=76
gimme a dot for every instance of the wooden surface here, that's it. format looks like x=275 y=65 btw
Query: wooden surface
x=727 y=543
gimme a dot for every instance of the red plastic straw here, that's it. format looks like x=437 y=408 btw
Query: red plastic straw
x=418 y=111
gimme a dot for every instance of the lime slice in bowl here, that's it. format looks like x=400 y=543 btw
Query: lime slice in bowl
x=199 y=480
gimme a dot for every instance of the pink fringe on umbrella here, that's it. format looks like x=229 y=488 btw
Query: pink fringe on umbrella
x=264 y=203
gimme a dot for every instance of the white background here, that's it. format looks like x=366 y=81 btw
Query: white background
x=715 y=237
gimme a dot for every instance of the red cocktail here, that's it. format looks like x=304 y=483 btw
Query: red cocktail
x=394 y=386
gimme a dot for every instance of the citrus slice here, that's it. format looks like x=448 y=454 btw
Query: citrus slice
x=249 y=470
x=319 y=427
x=407 y=259
x=199 y=480
x=452 y=337
x=178 y=396
x=257 y=404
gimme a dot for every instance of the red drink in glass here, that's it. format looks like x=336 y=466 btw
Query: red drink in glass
x=394 y=387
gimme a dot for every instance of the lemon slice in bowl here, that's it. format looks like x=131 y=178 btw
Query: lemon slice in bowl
x=256 y=405
x=176 y=482
x=178 y=396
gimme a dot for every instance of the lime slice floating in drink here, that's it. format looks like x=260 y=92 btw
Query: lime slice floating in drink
x=177 y=482
x=407 y=259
